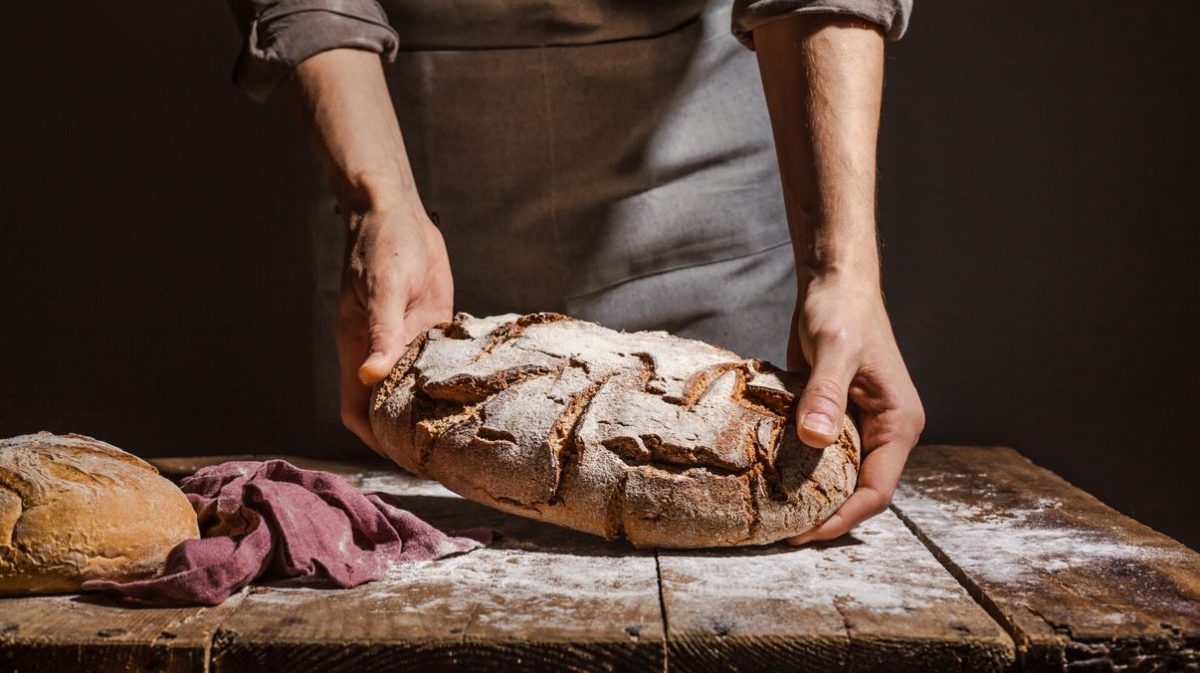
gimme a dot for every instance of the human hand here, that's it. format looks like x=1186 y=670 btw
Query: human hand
x=396 y=282
x=842 y=337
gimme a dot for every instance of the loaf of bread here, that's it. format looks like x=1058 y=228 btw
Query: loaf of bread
x=73 y=508
x=660 y=440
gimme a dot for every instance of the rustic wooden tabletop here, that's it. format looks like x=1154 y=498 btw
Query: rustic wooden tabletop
x=984 y=562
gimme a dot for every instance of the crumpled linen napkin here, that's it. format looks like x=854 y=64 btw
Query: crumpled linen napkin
x=273 y=522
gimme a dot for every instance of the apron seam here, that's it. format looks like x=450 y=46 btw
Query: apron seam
x=558 y=45
x=678 y=267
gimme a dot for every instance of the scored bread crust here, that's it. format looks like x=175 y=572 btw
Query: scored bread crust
x=73 y=508
x=661 y=440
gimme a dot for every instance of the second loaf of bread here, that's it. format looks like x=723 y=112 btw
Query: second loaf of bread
x=661 y=440
x=74 y=508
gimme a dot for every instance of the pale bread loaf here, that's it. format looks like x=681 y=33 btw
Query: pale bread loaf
x=73 y=508
x=661 y=440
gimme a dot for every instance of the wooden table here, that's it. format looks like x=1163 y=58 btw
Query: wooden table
x=984 y=562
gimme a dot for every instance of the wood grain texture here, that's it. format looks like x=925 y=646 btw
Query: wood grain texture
x=72 y=633
x=542 y=598
x=875 y=601
x=1080 y=586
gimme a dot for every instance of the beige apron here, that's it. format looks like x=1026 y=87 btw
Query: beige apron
x=612 y=161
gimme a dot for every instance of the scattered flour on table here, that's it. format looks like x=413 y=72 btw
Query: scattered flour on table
x=401 y=483
x=886 y=571
x=1015 y=546
x=506 y=590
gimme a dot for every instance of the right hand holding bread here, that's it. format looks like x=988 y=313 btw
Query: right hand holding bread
x=843 y=341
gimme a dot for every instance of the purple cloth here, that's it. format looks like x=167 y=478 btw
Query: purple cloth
x=273 y=522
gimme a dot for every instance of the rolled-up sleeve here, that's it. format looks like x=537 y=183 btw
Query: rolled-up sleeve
x=890 y=15
x=281 y=33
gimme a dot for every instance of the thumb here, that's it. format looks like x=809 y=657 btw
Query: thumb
x=823 y=403
x=386 y=308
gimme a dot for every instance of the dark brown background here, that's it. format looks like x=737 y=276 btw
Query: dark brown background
x=1038 y=179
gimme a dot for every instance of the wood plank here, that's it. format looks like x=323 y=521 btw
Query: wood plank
x=542 y=598
x=91 y=633
x=875 y=601
x=1079 y=586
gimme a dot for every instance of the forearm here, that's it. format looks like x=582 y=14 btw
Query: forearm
x=341 y=98
x=823 y=79
x=396 y=281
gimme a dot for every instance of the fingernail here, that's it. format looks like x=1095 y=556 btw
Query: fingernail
x=371 y=370
x=817 y=422
x=805 y=537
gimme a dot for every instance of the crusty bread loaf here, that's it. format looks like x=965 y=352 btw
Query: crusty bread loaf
x=73 y=508
x=664 y=441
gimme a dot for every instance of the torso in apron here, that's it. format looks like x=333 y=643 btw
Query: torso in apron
x=609 y=160
x=569 y=146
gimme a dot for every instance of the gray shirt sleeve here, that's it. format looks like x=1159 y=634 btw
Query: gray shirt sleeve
x=890 y=15
x=279 y=34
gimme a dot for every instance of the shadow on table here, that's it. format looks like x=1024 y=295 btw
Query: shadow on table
x=517 y=532
x=105 y=600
